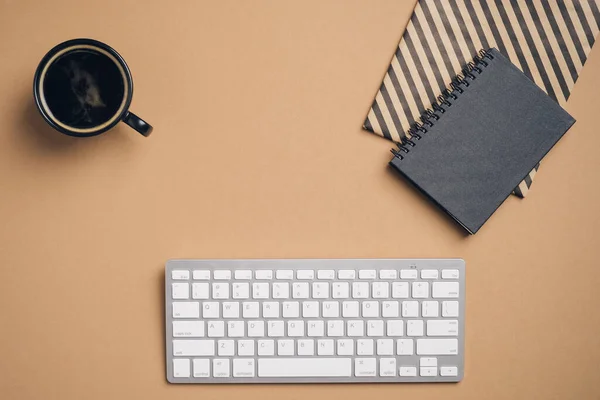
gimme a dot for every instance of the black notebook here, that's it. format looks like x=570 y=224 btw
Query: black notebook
x=482 y=137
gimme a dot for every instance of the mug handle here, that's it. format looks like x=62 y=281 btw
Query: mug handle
x=137 y=123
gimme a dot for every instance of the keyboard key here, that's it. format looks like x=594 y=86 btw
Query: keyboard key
x=381 y=290
x=201 y=274
x=345 y=347
x=325 y=347
x=367 y=274
x=450 y=274
x=260 y=290
x=350 y=309
x=320 y=290
x=400 y=290
x=281 y=290
x=449 y=308
x=220 y=291
x=306 y=347
x=285 y=348
x=326 y=274
x=250 y=309
x=449 y=371
x=216 y=328
x=242 y=274
x=200 y=290
x=430 y=309
x=221 y=368
x=201 y=367
x=300 y=290
x=186 y=309
x=210 y=309
x=365 y=367
x=390 y=309
x=304 y=367
x=188 y=328
x=395 y=327
x=245 y=347
x=243 y=367
x=193 y=348
x=331 y=309
x=346 y=274
x=235 y=329
x=408 y=274
x=270 y=309
x=241 y=290
x=442 y=327
x=360 y=290
x=385 y=347
x=387 y=367
x=414 y=327
x=445 y=289
x=404 y=347
x=225 y=348
x=370 y=309
x=180 y=274
x=181 y=368
x=310 y=309
x=291 y=309
x=341 y=290
x=266 y=347
x=355 y=328
x=276 y=328
x=420 y=290
x=429 y=274
x=428 y=362
x=433 y=347
x=305 y=274
x=374 y=328
x=335 y=328
x=256 y=328
x=316 y=328
x=428 y=371
x=388 y=274
x=407 y=371
x=284 y=274
x=295 y=328
x=263 y=274
x=221 y=274
x=410 y=309
x=180 y=291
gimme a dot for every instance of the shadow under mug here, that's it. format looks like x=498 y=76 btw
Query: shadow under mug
x=83 y=87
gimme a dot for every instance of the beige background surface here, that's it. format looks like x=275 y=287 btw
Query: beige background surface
x=258 y=152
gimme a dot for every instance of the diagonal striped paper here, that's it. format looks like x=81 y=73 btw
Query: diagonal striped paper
x=549 y=40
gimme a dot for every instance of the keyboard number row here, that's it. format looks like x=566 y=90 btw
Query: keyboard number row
x=320 y=290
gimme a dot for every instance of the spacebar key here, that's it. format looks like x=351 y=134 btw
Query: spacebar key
x=304 y=367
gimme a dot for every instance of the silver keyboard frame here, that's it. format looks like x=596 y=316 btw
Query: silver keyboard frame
x=334 y=264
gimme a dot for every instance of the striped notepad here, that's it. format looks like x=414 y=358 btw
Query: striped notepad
x=549 y=40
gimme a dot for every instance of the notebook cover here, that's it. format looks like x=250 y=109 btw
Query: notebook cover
x=485 y=143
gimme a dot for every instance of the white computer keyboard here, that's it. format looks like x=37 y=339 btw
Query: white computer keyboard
x=309 y=320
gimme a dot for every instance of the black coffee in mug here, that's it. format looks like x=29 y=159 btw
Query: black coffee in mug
x=83 y=88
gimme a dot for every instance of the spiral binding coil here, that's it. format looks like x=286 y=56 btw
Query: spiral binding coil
x=457 y=87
